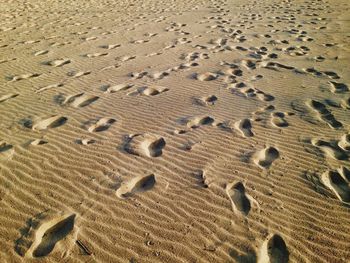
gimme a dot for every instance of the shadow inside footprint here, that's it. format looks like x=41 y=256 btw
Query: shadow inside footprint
x=340 y=187
x=239 y=200
x=50 y=236
x=265 y=157
x=277 y=250
x=245 y=127
x=52 y=122
x=138 y=184
x=102 y=124
x=248 y=257
x=5 y=147
x=145 y=145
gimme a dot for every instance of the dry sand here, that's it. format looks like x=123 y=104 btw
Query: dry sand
x=175 y=131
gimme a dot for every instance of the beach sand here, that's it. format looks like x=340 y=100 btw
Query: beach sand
x=175 y=131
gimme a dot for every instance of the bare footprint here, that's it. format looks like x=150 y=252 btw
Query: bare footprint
x=149 y=91
x=5 y=146
x=102 y=124
x=145 y=145
x=206 y=101
x=78 y=74
x=58 y=62
x=42 y=236
x=6 y=97
x=200 y=121
x=263 y=96
x=23 y=76
x=80 y=100
x=85 y=141
x=277 y=120
x=344 y=142
x=338 y=183
x=118 y=87
x=345 y=103
x=41 y=52
x=338 y=87
x=52 y=122
x=244 y=127
x=111 y=46
x=48 y=87
x=239 y=200
x=274 y=250
x=37 y=142
x=331 y=149
x=324 y=114
x=95 y=55
x=266 y=157
x=207 y=76
x=135 y=185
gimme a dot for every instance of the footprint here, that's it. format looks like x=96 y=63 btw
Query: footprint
x=52 y=122
x=58 y=62
x=195 y=56
x=277 y=119
x=206 y=101
x=52 y=86
x=95 y=55
x=346 y=103
x=276 y=66
x=102 y=124
x=274 y=250
x=338 y=183
x=23 y=76
x=42 y=237
x=138 y=184
x=127 y=58
x=41 y=52
x=249 y=64
x=78 y=74
x=38 y=142
x=266 y=157
x=344 y=142
x=202 y=178
x=6 y=97
x=90 y=38
x=331 y=150
x=338 y=87
x=324 y=114
x=199 y=121
x=140 y=41
x=245 y=127
x=138 y=75
x=145 y=145
x=80 y=100
x=85 y=141
x=5 y=146
x=159 y=75
x=263 y=96
x=110 y=46
x=119 y=87
x=149 y=91
x=239 y=200
x=207 y=76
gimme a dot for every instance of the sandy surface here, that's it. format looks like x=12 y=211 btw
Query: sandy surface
x=175 y=131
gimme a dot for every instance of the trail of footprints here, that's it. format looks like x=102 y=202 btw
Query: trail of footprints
x=43 y=236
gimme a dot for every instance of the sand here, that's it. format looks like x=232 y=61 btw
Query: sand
x=175 y=131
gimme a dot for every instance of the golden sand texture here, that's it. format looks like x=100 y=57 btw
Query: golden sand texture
x=175 y=131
